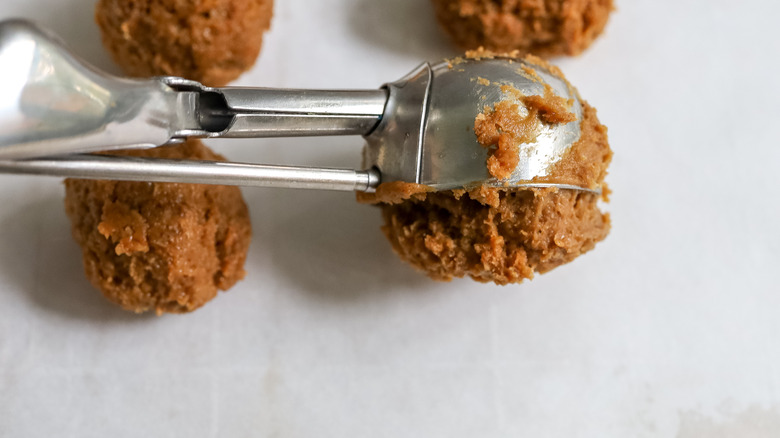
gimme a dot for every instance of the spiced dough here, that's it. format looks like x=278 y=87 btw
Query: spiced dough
x=160 y=246
x=504 y=235
x=501 y=130
x=209 y=41
x=541 y=27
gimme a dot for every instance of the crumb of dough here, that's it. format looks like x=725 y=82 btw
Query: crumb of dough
x=549 y=107
x=505 y=235
x=210 y=41
x=544 y=27
x=483 y=81
x=166 y=247
x=501 y=130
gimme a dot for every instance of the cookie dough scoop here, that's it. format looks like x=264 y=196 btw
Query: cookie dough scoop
x=55 y=111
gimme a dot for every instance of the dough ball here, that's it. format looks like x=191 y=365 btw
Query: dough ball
x=452 y=234
x=541 y=27
x=160 y=246
x=209 y=41
x=496 y=234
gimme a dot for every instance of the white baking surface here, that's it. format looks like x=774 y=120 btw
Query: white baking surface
x=669 y=328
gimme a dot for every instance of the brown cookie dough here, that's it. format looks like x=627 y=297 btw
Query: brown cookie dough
x=454 y=233
x=160 y=246
x=501 y=131
x=504 y=235
x=210 y=41
x=542 y=27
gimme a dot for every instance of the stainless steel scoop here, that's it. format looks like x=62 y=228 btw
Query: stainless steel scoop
x=54 y=109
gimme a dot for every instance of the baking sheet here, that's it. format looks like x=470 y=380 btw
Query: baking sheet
x=667 y=329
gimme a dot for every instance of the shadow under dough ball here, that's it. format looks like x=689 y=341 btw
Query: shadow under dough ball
x=541 y=27
x=209 y=41
x=160 y=246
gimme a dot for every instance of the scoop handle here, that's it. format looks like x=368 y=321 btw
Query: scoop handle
x=53 y=103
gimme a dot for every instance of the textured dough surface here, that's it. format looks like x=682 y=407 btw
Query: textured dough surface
x=160 y=246
x=452 y=234
x=209 y=41
x=541 y=27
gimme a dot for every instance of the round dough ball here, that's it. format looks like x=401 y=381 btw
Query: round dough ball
x=209 y=41
x=541 y=27
x=497 y=234
x=160 y=246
